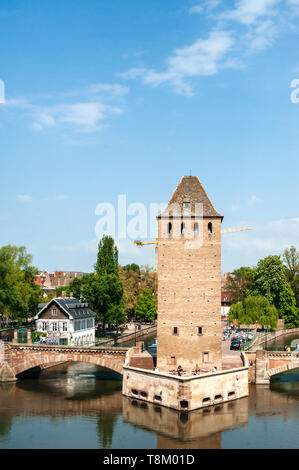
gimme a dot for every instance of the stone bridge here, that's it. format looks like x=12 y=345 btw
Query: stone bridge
x=270 y=363
x=18 y=358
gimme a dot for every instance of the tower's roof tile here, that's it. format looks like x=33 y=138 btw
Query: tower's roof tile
x=191 y=191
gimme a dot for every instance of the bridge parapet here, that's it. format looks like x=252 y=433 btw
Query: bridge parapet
x=21 y=357
x=55 y=347
x=270 y=363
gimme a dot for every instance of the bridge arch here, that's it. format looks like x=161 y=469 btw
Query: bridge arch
x=23 y=358
x=282 y=369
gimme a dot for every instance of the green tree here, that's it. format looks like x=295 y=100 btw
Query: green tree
x=239 y=283
x=19 y=295
x=252 y=310
x=131 y=284
x=131 y=267
x=103 y=289
x=287 y=307
x=60 y=289
x=146 y=306
x=269 y=278
x=135 y=281
x=107 y=259
x=271 y=282
x=236 y=312
x=75 y=287
x=291 y=260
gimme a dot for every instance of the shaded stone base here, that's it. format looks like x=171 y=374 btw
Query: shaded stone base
x=6 y=373
x=185 y=393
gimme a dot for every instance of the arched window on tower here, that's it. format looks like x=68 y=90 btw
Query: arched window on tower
x=169 y=228
x=210 y=228
x=183 y=228
x=196 y=229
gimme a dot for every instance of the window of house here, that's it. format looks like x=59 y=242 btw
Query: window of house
x=199 y=330
x=44 y=327
x=210 y=228
x=169 y=228
x=175 y=330
x=183 y=228
x=54 y=312
x=196 y=229
x=64 y=326
x=186 y=205
x=54 y=326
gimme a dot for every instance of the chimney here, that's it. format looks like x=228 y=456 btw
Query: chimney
x=63 y=294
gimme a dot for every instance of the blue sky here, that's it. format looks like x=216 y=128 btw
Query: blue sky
x=104 y=98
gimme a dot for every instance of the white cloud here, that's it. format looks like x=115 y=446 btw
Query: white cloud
x=254 y=200
x=24 y=198
x=196 y=9
x=203 y=57
x=275 y=236
x=261 y=36
x=205 y=4
x=255 y=23
x=87 y=115
x=84 y=117
x=113 y=89
x=248 y=11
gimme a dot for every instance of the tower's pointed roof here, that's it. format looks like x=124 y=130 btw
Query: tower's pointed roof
x=190 y=190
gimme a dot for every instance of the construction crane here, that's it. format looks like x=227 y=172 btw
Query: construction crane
x=139 y=243
x=234 y=230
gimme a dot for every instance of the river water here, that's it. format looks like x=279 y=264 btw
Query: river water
x=78 y=405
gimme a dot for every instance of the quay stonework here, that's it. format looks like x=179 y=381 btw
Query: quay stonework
x=189 y=318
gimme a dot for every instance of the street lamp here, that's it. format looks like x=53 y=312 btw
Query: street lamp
x=115 y=337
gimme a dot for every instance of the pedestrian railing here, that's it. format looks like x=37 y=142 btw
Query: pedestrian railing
x=248 y=344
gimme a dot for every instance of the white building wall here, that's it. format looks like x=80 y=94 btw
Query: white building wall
x=225 y=310
x=76 y=337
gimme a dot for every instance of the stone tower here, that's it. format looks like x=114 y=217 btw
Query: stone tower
x=189 y=280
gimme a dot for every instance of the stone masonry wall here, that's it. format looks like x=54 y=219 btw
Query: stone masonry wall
x=21 y=358
x=189 y=296
x=185 y=392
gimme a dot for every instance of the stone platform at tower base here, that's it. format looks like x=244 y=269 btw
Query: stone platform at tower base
x=185 y=393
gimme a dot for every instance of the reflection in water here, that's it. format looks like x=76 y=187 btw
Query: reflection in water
x=287 y=382
x=72 y=406
x=186 y=430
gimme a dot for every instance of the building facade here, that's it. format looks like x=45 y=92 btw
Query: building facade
x=189 y=281
x=225 y=298
x=56 y=279
x=66 y=321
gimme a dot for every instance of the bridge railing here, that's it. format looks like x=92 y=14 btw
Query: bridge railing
x=246 y=346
